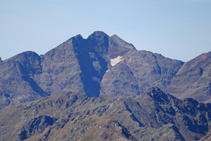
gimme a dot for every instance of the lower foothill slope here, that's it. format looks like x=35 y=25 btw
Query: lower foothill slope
x=154 y=115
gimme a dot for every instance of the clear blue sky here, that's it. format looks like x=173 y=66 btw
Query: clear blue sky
x=178 y=29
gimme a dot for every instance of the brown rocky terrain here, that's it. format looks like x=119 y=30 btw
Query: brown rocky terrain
x=138 y=71
x=74 y=116
x=101 y=65
x=102 y=88
x=193 y=79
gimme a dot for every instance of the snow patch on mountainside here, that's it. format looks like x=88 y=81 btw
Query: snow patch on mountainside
x=115 y=60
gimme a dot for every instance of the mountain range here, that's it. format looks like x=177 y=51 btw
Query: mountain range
x=153 y=115
x=103 y=88
x=101 y=65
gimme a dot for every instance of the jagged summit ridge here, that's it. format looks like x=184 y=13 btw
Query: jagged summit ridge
x=76 y=65
x=157 y=95
x=121 y=42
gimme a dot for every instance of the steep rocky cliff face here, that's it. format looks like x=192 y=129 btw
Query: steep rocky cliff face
x=154 y=115
x=100 y=65
x=76 y=65
x=79 y=64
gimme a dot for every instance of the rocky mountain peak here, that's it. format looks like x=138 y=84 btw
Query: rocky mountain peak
x=199 y=61
x=79 y=36
x=157 y=95
x=78 y=39
x=30 y=60
x=121 y=42
x=98 y=35
x=102 y=88
x=154 y=91
x=193 y=79
x=101 y=65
